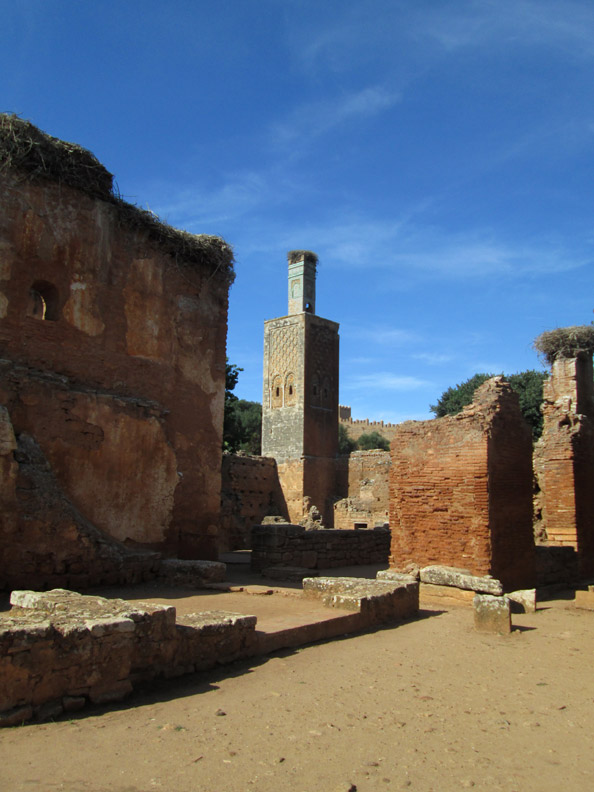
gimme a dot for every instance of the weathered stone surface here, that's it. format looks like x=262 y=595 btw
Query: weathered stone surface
x=584 y=599
x=112 y=358
x=60 y=649
x=448 y=595
x=523 y=601
x=460 y=578
x=191 y=573
x=394 y=576
x=492 y=614
x=292 y=545
x=377 y=601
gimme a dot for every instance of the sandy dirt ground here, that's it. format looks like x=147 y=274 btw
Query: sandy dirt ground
x=428 y=705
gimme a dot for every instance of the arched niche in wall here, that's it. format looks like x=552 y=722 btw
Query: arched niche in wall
x=290 y=390
x=276 y=397
x=44 y=302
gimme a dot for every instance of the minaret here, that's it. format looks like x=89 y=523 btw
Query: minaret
x=300 y=395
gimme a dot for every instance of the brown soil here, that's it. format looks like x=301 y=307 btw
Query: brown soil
x=428 y=705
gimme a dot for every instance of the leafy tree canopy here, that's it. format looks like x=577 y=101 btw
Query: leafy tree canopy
x=346 y=444
x=527 y=384
x=371 y=441
x=242 y=427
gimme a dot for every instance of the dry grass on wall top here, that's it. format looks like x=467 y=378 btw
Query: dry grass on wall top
x=26 y=150
x=565 y=342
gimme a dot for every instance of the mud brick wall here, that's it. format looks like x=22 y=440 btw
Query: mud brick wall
x=60 y=650
x=363 y=477
x=292 y=545
x=250 y=492
x=564 y=459
x=121 y=385
x=461 y=490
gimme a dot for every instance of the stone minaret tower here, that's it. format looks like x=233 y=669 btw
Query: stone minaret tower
x=300 y=399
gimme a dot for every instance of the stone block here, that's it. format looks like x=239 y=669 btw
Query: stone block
x=460 y=578
x=492 y=614
x=523 y=601
x=377 y=601
x=396 y=577
x=584 y=599
x=180 y=572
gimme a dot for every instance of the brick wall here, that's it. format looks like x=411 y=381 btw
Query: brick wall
x=564 y=459
x=461 y=490
x=292 y=545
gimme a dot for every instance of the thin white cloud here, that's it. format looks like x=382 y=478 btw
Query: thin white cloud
x=433 y=359
x=309 y=121
x=383 y=381
x=383 y=336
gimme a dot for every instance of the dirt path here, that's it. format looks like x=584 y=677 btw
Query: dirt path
x=430 y=705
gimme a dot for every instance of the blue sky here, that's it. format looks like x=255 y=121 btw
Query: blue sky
x=437 y=156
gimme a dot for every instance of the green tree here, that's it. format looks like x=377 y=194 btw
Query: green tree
x=248 y=415
x=527 y=384
x=371 y=441
x=230 y=421
x=242 y=427
x=346 y=444
x=456 y=397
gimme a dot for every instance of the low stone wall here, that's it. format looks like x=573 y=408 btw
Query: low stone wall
x=60 y=650
x=292 y=545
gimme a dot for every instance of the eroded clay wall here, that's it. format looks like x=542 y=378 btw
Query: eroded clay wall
x=250 y=492
x=461 y=490
x=122 y=383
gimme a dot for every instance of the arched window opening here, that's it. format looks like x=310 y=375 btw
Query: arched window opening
x=43 y=301
x=277 y=392
x=290 y=390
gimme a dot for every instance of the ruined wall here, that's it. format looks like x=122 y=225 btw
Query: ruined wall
x=291 y=545
x=564 y=459
x=60 y=650
x=250 y=492
x=359 y=427
x=461 y=490
x=364 y=477
x=113 y=361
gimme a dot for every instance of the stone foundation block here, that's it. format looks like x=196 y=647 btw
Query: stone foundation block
x=492 y=614
x=460 y=578
x=523 y=601
x=196 y=574
x=585 y=599
x=377 y=601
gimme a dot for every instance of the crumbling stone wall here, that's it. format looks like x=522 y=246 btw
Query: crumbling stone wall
x=250 y=492
x=293 y=546
x=112 y=350
x=60 y=650
x=564 y=459
x=364 y=476
x=461 y=490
